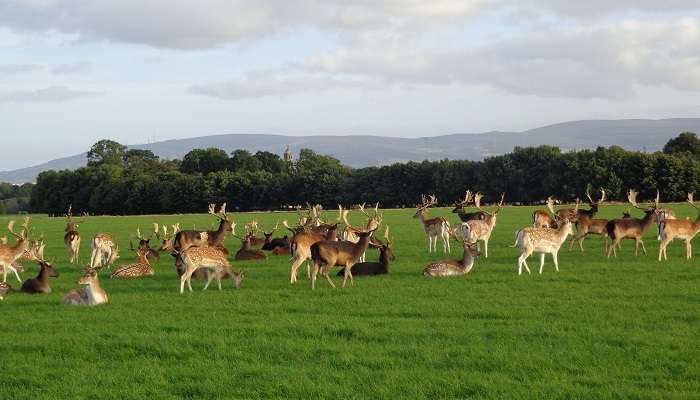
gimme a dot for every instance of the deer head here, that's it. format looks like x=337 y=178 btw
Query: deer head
x=426 y=202
x=477 y=203
x=224 y=220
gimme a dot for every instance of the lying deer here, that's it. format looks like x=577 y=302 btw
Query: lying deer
x=246 y=252
x=370 y=268
x=145 y=243
x=463 y=215
x=40 y=284
x=542 y=240
x=454 y=267
x=138 y=269
x=328 y=254
x=272 y=244
x=91 y=295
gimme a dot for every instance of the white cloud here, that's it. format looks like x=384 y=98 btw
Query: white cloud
x=49 y=94
x=74 y=68
x=12 y=69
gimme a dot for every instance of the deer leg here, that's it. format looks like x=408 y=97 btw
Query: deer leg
x=541 y=262
x=327 y=274
x=486 y=248
x=348 y=273
x=688 y=249
x=555 y=256
x=4 y=273
x=183 y=279
x=313 y=275
x=295 y=266
x=643 y=247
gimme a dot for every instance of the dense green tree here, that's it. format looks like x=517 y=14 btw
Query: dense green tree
x=106 y=151
x=270 y=162
x=686 y=142
x=204 y=161
x=243 y=161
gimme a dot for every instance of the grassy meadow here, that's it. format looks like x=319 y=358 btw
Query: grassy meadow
x=622 y=328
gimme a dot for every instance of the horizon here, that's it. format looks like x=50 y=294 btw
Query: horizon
x=397 y=69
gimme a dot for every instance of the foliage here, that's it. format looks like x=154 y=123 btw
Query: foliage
x=107 y=152
x=686 y=142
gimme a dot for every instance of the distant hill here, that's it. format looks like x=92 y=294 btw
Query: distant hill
x=364 y=150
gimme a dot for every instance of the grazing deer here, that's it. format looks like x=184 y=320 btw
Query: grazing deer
x=386 y=256
x=139 y=269
x=301 y=243
x=72 y=237
x=328 y=254
x=207 y=257
x=434 y=227
x=10 y=254
x=542 y=240
x=4 y=290
x=40 y=284
x=587 y=225
x=463 y=215
x=454 y=267
x=682 y=229
x=91 y=295
x=542 y=218
x=481 y=229
x=188 y=238
x=104 y=251
x=632 y=228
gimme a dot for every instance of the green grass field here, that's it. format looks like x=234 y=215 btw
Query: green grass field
x=623 y=328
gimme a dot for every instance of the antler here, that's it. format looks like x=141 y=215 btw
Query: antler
x=632 y=198
x=386 y=236
x=25 y=226
x=550 y=205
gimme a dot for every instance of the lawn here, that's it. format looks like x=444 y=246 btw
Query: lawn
x=622 y=328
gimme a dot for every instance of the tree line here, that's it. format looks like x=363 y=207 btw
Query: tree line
x=123 y=181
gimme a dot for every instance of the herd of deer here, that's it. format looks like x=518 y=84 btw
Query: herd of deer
x=324 y=245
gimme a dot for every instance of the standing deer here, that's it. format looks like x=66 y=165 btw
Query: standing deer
x=328 y=254
x=40 y=284
x=587 y=225
x=301 y=243
x=465 y=216
x=194 y=258
x=91 y=295
x=481 y=229
x=542 y=240
x=72 y=237
x=454 y=267
x=10 y=254
x=632 y=228
x=104 y=251
x=434 y=227
x=682 y=229
x=351 y=233
x=386 y=256
x=188 y=238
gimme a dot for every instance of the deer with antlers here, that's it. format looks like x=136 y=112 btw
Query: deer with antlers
x=480 y=230
x=328 y=254
x=9 y=254
x=542 y=240
x=543 y=218
x=72 y=237
x=142 y=267
x=90 y=295
x=273 y=244
x=105 y=250
x=145 y=243
x=185 y=239
x=246 y=252
x=586 y=224
x=682 y=229
x=301 y=243
x=462 y=214
x=434 y=227
x=386 y=256
x=632 y=228
x=351 y=233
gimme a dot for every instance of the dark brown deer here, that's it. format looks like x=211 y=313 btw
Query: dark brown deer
x=72 y=237
x=371 y=268
x=272 y=244
x=632 y=228
x=328 y=254
x=246 y=252
x=40 y=284
x=467 y=216
x=188 y=238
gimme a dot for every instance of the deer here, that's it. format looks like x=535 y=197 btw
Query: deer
x=270 y=243
x=10 y=254
x=40 y=284
x=586 y=224
x=105 y=250
x=139 y=269
x=92 y=294
x=454 y=267
x=682 y=229
x=194 y=258
x=480 y=230
x=351 y=233
x=370 y=268
x=301 y=243
x=327 y=254
x=188 y=238
x=542 y=240
x=434 y=227
x=34 y=252
x=632 y=228
x=542 y=218
x=246 y=252
x=167 y=239
x=145 y=243
x=463 y=215
x=72 y=237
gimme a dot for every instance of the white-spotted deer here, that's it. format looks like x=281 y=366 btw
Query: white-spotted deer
x=104 y=251
x=194 y=258
x=328 y=254
x=139 y=269
x=542 y=240
x=481 y=229
x=632 y=228
x=682 y=229
x=72 y=237
x=90 y=295
x=9 y=254
x=434 y=227
x=454 y=267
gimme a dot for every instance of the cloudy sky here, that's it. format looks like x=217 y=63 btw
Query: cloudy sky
x=75 y=71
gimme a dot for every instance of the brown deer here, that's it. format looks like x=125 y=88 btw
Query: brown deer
x=188 y=238
x=301 y=243
x=370 y=268
x=632 y=228
x=91 y=295
x=682 y=229
x=542 y=240
x=72 y=237
x=462 y=214
x=104 y=251
x=145 y=243
x=454 y=267
x=272 y=244
x=543 y=218
x=434 y=227
x=586 y=224
x=328 y=254
x=481 y=229
x=194 y=258
x=10 y=254
x=351 y=233
x=139 y=269
x=246 y=252
x=40 y=284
